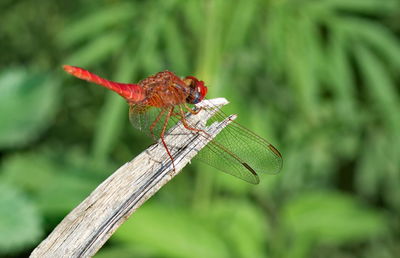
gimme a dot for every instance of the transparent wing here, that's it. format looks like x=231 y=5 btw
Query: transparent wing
x=238 y=151
x=150 y=120
x=139 y=117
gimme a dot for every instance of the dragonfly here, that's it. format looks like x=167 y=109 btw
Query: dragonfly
x=161 y=100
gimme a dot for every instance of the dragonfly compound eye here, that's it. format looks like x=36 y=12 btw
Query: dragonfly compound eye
x=197 y=90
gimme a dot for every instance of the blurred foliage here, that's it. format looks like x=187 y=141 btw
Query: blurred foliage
x=319 y=79
x=20 y=220
x=32 y=99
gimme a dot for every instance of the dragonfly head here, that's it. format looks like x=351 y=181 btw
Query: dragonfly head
x=197 y=90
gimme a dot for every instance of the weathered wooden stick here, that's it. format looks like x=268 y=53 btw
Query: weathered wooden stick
x=86 y=228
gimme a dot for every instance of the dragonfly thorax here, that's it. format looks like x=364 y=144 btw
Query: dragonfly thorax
x=166 y=89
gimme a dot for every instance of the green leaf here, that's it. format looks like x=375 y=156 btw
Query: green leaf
x=379 y=170
x=58 y=183
x=332 y=218
x=227 y=183
x=31 y=172
x=20 y=222
x=363 y=6
x=243 y=225
x=381 y=88
x=379 y=37
x=28 y=102
x=91 y=25
x=63 y=194
x=239 y=26
x=120 y=252
x=194 y=18
x=171 y=232
x=177 y=52
x=97 y=49
x=341 y=79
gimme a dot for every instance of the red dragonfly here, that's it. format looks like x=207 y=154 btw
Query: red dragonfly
x=161 y=100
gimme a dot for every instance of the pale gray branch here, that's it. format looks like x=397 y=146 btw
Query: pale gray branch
x=86 y=228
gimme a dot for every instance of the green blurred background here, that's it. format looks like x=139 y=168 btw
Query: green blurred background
x=318 y=79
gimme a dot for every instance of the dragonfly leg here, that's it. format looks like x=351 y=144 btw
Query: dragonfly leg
x=193 y=112
x=185 y=124
x=170 y=112
x=181 y=115
x=155 y=123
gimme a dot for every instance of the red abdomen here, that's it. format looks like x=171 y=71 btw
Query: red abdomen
x=133 y=93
